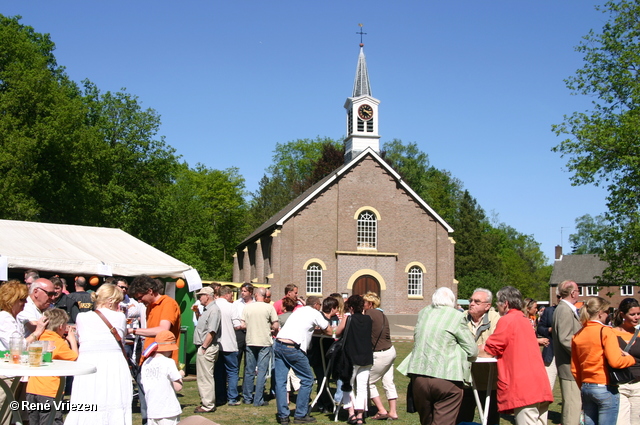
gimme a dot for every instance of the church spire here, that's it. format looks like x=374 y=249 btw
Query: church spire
x=361 y=86
x=362 y=112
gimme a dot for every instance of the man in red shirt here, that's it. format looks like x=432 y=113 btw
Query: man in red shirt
x=290 y=291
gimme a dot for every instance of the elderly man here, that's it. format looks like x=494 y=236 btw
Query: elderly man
x=227 y=368
x=205 y=337
x=290 y=352
x=481 y=321
x=261 y=321
x=30 y=276
x=41 y=295
x=565 y=324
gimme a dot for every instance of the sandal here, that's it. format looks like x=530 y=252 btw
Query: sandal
x=352 y=420
x=380 y=417
x=360 y=421
x=391 y=418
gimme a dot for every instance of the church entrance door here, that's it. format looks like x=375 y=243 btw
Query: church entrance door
x=366 y=283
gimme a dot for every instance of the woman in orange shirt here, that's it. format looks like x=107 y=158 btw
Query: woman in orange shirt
x=594 y=343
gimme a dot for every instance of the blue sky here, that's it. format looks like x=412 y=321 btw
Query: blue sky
x=476 y=84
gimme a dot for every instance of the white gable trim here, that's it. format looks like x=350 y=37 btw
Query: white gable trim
x=343 y=170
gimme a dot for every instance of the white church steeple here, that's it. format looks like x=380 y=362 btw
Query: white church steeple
x=362 y=112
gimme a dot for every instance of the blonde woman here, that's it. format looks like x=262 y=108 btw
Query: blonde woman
x=110 y=388
x=592 y=348
x=384 y=353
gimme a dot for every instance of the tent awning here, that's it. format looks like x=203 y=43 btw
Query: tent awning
x=73 y=249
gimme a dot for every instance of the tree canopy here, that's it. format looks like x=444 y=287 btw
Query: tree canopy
x=75 y=155
x=604 y=147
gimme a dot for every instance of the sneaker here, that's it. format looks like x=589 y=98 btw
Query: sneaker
x=247 y=401
x=201 y=409
x=264 y=403
x=304 y=420
x=283 y=421
x=235 y=403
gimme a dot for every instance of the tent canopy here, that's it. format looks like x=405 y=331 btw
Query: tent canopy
x=72 y=249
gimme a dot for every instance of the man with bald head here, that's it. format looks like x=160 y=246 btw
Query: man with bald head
x=565 y=324
x=41 y=295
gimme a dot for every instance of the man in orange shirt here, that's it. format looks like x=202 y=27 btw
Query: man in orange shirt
x=163 y=312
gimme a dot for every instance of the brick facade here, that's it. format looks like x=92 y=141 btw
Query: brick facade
x=324 y=230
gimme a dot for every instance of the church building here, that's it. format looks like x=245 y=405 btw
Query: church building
x=361 y=228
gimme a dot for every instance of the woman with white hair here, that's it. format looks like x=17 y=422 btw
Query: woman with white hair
x=440 y=362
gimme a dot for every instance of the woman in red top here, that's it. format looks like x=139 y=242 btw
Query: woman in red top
x=594 y=344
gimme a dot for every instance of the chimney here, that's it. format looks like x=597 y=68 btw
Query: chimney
x=558 y=252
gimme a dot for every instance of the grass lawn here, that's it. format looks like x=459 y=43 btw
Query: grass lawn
x=247 y=414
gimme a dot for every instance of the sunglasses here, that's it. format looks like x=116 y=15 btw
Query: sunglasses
x=49 y=294
x=123 y=287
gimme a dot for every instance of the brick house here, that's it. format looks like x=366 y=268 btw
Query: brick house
x=583 y=270
x=360 y=228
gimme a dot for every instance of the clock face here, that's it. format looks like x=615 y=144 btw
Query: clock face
x=365 y=112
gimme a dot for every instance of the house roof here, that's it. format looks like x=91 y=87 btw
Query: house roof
x=305 y=198
x=582 y=269
x=73 y=249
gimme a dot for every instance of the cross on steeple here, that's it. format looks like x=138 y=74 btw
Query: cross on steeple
x=361 y=34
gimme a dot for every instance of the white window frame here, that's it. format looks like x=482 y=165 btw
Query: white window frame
x=415 y=279
x=627 y=290
x=592 y=290
x=581 y=291
x=367 y=230
x=314 y=279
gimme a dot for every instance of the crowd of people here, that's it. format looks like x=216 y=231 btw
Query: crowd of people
x=591 y=351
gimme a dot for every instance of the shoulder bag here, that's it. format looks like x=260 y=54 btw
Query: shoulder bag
x=132 y=367
x=619 y=376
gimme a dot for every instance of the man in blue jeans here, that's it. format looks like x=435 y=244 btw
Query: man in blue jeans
x=290 y=352
x=261 y=321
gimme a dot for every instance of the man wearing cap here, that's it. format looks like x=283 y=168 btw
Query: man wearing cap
x=205 y=337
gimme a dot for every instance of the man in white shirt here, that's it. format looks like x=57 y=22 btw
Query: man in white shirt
x=290 y=352
x=41 y=294
x=227 y=368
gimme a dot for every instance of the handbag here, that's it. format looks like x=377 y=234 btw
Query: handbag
x=619 y=376
x=132 y=367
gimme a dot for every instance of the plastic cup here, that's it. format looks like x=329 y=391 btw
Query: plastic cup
x=15 y=347
x=35 y=354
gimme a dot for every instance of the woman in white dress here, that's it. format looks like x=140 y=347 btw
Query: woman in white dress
x=110 y=388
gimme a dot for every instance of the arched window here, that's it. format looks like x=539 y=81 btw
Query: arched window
x=414 y=281
x=314 y=279
x=367 y=230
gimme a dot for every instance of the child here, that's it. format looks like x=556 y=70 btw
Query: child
x=44 y=389
x=161 y=380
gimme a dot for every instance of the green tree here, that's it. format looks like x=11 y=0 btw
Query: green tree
x=589 y=236
x=605 y=145
x=207 y=210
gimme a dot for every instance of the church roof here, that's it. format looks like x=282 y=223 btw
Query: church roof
x=361 y=86
x=278 y=219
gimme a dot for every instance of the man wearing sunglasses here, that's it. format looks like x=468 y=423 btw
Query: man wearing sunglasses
x=41 y=294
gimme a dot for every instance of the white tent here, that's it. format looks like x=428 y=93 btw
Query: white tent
x=71 y=249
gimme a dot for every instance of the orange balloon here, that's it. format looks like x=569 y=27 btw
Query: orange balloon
x=180 y=283
x=94 y=280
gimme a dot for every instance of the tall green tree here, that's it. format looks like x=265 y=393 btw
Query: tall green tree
x=605 y=145
x=590 y=234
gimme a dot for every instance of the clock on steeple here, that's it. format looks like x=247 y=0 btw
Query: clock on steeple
x=362 y=112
